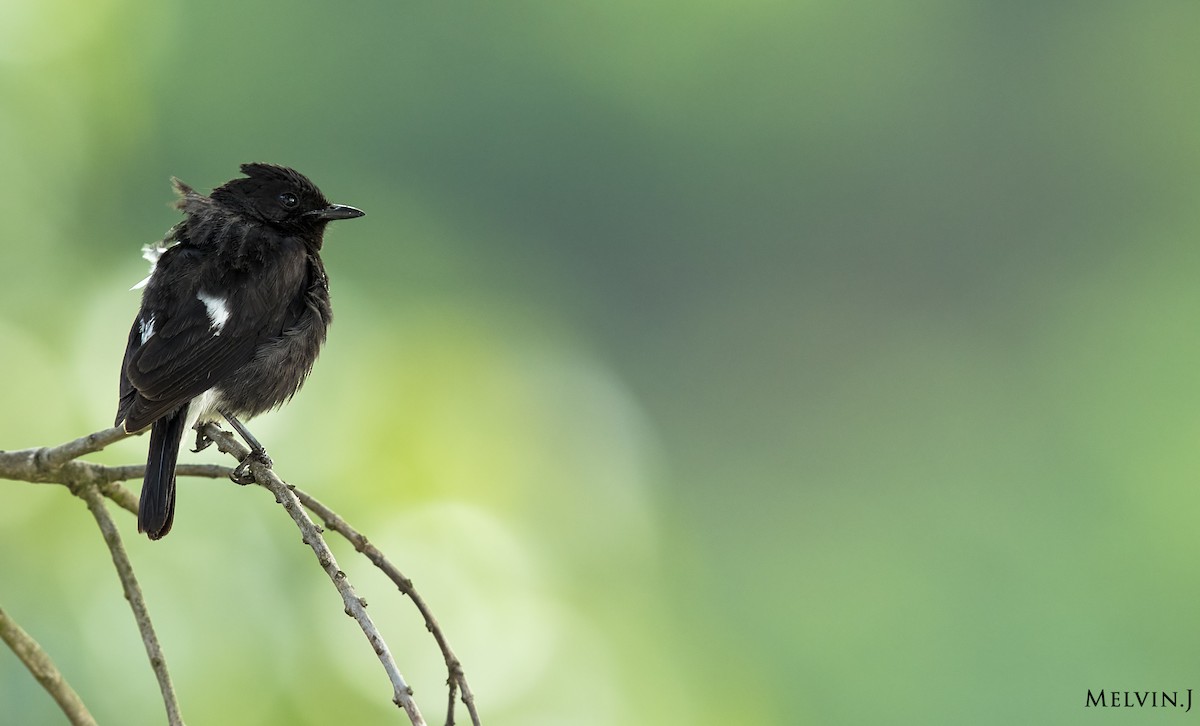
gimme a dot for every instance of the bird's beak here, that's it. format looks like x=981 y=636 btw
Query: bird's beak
x=336 y=211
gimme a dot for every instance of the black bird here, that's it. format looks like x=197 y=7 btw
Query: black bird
x=233 y=315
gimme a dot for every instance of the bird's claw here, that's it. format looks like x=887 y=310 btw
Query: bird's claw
x=202 y=441
x=242 y=473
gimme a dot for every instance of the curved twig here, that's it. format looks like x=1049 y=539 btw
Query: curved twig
x=457 y=678
x=133 y=593
x=91 y=482
x=43 y=669
x=311 y=535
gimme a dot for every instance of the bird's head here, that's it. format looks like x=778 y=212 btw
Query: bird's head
x=281 y=197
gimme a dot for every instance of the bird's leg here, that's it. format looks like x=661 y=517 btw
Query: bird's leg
x=241 y=473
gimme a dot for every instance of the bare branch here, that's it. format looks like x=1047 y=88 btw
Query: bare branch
x=456 y=675
x=85 y=445
x=120 y=496
x=38 y=466
x=89 y=481
x=137 y=471
x=43 y=669
x=126 y=499
x=133 y=593
x=311 y=535
x=451 y=692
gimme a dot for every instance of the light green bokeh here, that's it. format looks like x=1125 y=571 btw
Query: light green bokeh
x=809 y=363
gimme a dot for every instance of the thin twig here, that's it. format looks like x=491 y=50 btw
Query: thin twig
x=120 y=496
x=133 y=593
x=451 y=692
x=126 y=499
x=311 y=535
x=43 y=669
x=377 y=558
x=137 y=471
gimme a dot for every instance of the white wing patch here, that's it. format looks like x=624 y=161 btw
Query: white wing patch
x=146 y=328
x=218 y=313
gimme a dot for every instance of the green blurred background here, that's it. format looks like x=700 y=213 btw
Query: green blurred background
x=758 y=362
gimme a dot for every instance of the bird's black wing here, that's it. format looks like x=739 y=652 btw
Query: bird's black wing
x=186 y=351
x=128 y=392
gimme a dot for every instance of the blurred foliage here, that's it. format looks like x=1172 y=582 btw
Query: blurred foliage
x=702 y=363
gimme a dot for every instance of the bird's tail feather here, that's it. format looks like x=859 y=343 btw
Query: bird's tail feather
x=156 y=511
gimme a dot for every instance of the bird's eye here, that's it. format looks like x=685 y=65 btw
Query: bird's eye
x=288 y=200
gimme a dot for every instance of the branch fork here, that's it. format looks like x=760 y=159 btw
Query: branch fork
x=94 y=482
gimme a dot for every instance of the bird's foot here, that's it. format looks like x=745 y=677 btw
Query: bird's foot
x=242 y=474
x=202 y=441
